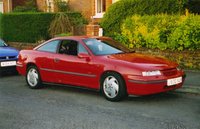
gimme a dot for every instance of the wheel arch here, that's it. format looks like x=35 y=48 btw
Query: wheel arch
x=111 y=71
x=30 y=64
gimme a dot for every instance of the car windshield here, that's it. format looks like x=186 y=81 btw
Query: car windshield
x=105 y=46
x=2 y=43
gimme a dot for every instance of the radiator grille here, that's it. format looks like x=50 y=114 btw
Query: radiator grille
x=7 y=57
x=169 y=72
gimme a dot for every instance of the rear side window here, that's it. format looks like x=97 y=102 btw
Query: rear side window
x=50 y=46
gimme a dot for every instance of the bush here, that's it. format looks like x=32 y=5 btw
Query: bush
x=162 y=32
x=60 y=24
x=25 y=27
x=62 y=6
x=125 y=8
x=31 y=27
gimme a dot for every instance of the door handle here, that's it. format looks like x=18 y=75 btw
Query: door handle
x=56 y=60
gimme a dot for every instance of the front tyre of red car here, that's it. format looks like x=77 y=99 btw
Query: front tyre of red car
x=33 y=77
x=113 y=87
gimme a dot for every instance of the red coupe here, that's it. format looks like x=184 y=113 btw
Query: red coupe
x=98 y=63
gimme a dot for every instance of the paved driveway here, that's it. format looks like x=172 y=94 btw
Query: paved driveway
x=56 y=107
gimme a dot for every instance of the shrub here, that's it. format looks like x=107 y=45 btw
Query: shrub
x=162 y=32
x=31 y=27
x=124 y=8
x=25 y=27
x=62 y=6
x=60 y=24
x=1 y=24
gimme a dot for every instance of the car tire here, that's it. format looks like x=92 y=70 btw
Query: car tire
x=33 y=77
x=113 y=86
x=1 y=73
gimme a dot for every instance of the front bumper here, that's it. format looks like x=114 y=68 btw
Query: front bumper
x=138 y=87
x=7 y=68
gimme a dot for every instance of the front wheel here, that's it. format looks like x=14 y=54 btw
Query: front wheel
x=113 y=87
x=33 y=77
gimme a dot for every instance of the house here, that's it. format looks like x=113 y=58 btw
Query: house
x=9 y=5
x=90 y=8
x=93 y=10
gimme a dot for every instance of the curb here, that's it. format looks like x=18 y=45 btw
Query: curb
x=191 y=71
x=189 y=89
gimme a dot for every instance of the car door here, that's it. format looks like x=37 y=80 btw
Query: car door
x=71 y=69
x=45 y=60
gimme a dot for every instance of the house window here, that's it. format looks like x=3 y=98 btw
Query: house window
x=1 y=7
x=50 y=5
x=100 y=8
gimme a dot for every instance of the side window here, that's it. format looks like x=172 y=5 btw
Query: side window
x=68 y=47
x=50 y=46
x=81 y=49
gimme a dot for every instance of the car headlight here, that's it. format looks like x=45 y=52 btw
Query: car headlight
x=151 y=73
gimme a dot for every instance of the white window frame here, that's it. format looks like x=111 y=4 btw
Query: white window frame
x=97 y=14
x=2 y=11
x=50 y=5
x=113 y=1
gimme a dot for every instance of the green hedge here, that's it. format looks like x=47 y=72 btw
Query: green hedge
x=161 y=32
x=1 y=24
x=122 y=9
x=30 y=27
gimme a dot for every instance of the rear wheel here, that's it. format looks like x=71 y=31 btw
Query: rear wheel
x=113 y=87
x=33 y=77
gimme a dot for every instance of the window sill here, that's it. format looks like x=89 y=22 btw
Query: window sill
x=98 y=15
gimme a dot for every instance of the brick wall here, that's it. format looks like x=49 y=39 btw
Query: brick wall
x=83 y=6
x=21 y=46
x=41 y=5
x=108 y=3
x=92 y=30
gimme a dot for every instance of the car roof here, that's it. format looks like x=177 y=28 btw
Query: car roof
x=73 y=38
x=81 y=37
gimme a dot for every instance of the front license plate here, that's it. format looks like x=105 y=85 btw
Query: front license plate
x=8 y=63
x=174 y=81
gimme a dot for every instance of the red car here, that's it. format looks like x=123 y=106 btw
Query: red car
x=98 y=63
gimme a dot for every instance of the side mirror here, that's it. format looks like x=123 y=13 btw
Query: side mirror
x=84 y=56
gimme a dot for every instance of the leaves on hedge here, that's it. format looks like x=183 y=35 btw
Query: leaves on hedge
x=122 y=9
x=162 y=32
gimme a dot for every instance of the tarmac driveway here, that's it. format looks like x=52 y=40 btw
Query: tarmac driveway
x=56 y=107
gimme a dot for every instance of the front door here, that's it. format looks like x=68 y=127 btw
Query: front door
x=74 y=70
